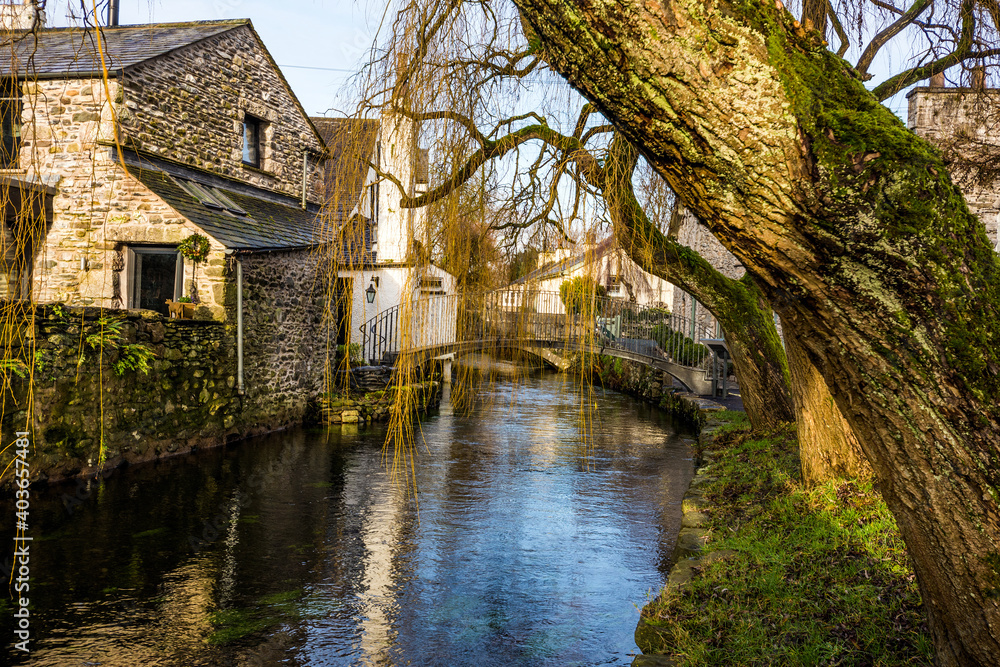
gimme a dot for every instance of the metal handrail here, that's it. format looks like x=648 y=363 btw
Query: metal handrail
x=603 y=324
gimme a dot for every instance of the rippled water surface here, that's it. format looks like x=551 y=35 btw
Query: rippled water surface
x=524 y=546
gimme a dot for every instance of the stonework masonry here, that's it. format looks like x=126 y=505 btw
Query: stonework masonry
x=190 y=398
x=187 y=400
x=942 y=115
x=285 y=333
x=69 y=131
x=189 y=106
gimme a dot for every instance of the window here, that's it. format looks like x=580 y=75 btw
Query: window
x=253 y=132
x=155 y=274
x=209 y=196
x=431 y=286
x=15 y=268
x=10 y=123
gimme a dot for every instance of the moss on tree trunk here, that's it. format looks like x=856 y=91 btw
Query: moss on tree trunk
x=758 y=357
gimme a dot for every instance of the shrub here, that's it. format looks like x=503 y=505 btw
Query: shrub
x=679 y=346
x=578 y=294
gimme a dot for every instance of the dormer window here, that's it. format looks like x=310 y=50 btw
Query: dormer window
x=10 y=123
x=253 y=134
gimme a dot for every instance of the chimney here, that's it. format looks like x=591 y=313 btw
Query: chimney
x=25 y=16
x=112 y=13
x=979 y=77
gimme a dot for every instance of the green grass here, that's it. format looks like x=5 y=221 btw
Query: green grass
x=816 y=576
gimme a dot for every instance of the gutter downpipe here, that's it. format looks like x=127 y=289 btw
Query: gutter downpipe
x=305 y=176
x=239 y=326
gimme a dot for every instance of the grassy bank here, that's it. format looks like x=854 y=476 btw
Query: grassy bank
x=798 y=576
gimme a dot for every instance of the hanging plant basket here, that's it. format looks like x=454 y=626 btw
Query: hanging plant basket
x=195 y=248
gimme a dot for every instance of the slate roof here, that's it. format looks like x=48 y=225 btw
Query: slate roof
x=272 y=222
x=73 y=52
x=350 y=145
x=568 y=265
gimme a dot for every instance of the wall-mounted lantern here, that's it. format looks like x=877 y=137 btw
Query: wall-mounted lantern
x=372 y=290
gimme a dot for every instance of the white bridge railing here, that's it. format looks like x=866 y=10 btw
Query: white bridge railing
x=531 y=318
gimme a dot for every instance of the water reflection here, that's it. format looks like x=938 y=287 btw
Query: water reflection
x=525 y=547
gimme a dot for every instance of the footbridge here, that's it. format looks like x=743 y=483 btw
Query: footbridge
x=541 y=324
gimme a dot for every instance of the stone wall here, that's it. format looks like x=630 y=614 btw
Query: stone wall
x=98 y=206
x=654 y=387
x=189 y=105
x=942 y=115
x=190 y=397
x=186 y=400
x=377 y=405
x=285 y=332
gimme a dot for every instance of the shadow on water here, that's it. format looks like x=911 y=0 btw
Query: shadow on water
x=297 y=549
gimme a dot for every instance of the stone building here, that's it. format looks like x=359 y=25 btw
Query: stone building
x=194 y=131
x=119 y=145
x=963 y=122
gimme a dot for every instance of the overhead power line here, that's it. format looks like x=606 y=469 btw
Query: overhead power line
x=324 y=69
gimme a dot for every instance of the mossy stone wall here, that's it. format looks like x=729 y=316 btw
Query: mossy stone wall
x=654 y=387
x=188 y=399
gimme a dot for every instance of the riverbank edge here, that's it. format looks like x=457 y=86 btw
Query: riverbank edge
x=368 y=408
x=376 y=406
x=689 y=550
x=654 y=387
x=706 y=417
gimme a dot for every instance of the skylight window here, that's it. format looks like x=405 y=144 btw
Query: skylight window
x=210 y=197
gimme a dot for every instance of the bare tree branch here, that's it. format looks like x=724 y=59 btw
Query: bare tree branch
x=880 y=40
x=962 y=50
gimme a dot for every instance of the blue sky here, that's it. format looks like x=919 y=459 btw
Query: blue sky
x=319 y=43
x=330 y=34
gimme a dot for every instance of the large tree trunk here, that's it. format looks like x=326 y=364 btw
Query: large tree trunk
x=859 y=239
x=828 y=448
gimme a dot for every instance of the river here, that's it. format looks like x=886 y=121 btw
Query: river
x=538 y=529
